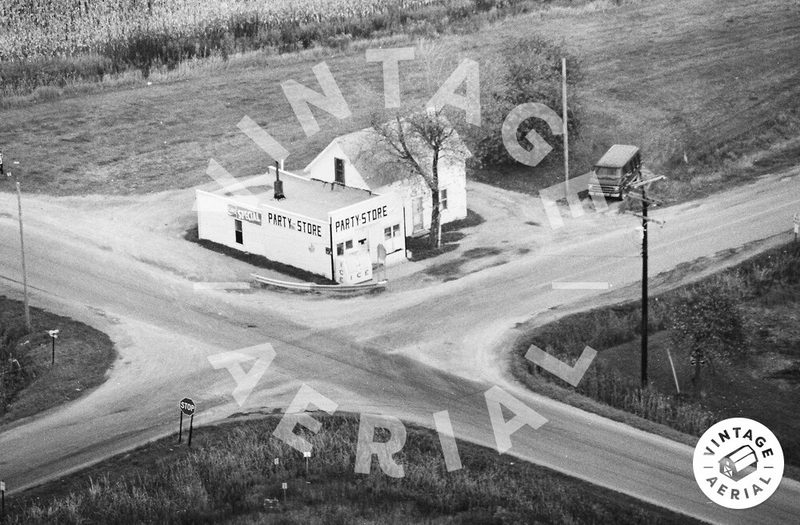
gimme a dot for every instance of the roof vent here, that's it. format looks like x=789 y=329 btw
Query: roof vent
x=278 y=183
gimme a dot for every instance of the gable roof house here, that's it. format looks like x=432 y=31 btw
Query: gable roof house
x=363 y=159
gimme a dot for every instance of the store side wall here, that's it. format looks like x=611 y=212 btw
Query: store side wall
x=280 y=236
x=297 y=240
x=375 y=221
x=216 y=223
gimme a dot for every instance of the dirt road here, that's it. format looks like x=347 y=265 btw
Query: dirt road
x=121 y=265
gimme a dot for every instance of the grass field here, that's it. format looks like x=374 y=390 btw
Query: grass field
x=714 y=80
x=765 y=289
x=82 y=358
x=229 y=476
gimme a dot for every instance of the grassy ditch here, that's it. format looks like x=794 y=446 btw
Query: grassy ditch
x=756 y=364
x=29 y=383
x=229 y=475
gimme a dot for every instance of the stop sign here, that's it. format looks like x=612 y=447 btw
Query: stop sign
x=187 y=406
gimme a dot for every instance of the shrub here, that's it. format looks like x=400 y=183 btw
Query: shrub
x=531 y=72
x=709 y=322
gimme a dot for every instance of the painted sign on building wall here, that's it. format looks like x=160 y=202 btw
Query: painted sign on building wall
x=282 y=221
x=361 y=219
x=243 y=214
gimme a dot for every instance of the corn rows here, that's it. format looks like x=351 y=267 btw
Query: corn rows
x=43 y=29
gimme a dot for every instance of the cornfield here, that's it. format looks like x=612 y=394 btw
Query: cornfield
x=61 y=28
x=50 y=42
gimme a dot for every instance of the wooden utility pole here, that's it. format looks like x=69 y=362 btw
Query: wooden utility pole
x=644 y=287
x=564 y=121
x=645 y=221
x=24 y=271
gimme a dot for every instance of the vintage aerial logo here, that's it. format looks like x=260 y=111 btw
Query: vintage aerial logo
x=738 y=463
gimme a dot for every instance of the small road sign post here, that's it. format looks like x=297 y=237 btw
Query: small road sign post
x=306 y=455
x=187 y=407
x=284 y=486
x=53 y=336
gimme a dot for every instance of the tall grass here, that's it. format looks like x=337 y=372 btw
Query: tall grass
x=769 y=279
x=230 y=474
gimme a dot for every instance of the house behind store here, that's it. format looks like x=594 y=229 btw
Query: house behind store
x=354 y=209
x=363 y=160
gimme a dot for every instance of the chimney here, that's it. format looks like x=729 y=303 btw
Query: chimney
x=278 y=183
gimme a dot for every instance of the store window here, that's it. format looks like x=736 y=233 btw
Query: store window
x=238 y=229
x=340 y=249
x=391 y=232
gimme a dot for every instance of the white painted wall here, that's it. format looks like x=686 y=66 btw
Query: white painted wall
x=322 y=168
x=374 y=230
x=276 y=239
x=451 y=177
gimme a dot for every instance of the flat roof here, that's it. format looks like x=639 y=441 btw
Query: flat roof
x=309 y=197
x=617 y=156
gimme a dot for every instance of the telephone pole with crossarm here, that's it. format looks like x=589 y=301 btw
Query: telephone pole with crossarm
x=645 y=221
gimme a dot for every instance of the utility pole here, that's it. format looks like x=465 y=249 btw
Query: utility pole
x=644 y=287
x=22 y=252
x=645 y=221
x=564 y=122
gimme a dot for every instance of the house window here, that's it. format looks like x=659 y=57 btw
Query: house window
x=238 y=228
x=443 y=199
x=338 y=170
x=340 y=249
x=348 y=245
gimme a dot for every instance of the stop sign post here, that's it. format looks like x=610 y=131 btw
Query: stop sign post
x=187 y=407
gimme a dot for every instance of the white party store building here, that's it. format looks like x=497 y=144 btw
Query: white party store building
x=325 y=228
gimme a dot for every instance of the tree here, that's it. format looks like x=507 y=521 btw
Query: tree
x=710 y=327
x=420 y=141
x=528 y=70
